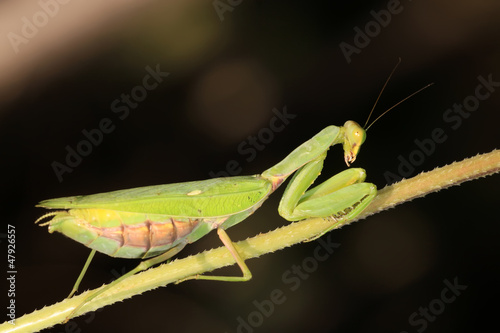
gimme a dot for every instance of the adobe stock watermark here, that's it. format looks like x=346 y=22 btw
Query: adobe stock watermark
x=372 y=29
x=30 y=26
x=420 y=319
x=292 y=279
x=222 y=6
x=453 y=117
x=121 y=108
x=253 y=144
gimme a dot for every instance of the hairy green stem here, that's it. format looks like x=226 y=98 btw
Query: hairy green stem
x=294 y=233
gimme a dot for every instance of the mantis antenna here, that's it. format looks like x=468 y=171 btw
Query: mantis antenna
x=392 y=107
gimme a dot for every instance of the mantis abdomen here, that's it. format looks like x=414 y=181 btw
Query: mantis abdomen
x=124 y=234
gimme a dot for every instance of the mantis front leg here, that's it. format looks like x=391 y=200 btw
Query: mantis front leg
x=341 y=197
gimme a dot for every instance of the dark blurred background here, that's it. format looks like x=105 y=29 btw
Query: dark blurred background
x=230 y=65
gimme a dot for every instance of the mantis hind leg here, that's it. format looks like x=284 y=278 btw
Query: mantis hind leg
x=82 y=273
x=141 y=267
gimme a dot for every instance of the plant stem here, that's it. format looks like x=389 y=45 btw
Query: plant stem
x=294 y=233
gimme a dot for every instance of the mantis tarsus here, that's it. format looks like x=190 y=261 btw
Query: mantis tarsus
x=156 y=222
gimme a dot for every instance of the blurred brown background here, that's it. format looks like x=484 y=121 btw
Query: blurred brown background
x=64 y=65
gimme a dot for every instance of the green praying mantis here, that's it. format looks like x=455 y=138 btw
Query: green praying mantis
x=156 y=222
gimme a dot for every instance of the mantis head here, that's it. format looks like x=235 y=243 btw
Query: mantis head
x=354 y=136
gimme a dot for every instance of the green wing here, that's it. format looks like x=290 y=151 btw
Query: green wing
x=208 y=198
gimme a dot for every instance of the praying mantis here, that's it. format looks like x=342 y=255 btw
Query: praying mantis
x=156 y=222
